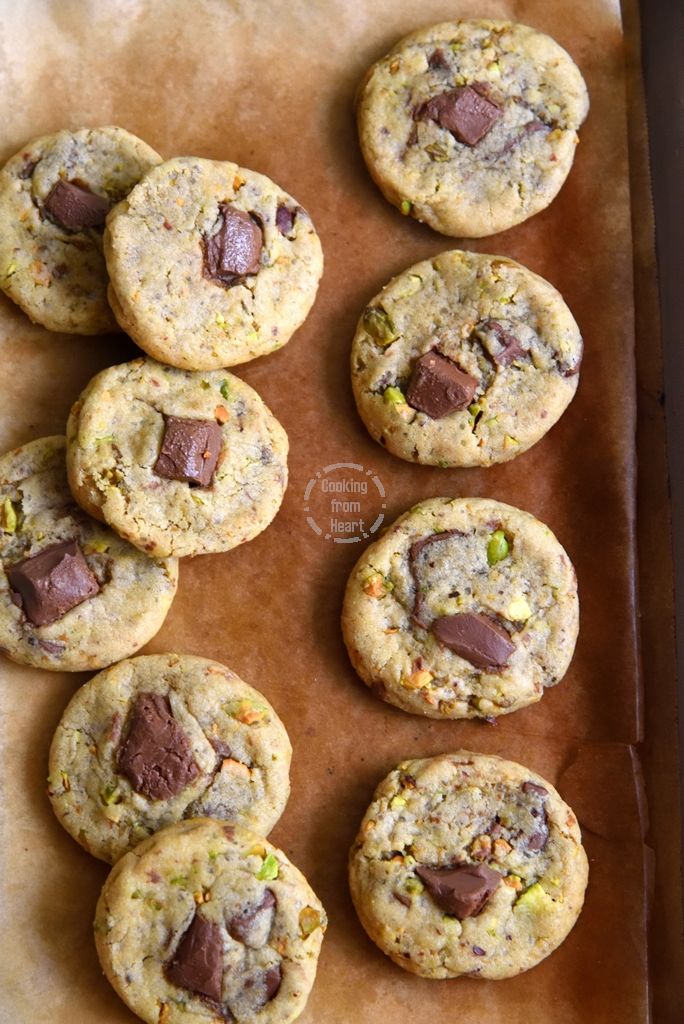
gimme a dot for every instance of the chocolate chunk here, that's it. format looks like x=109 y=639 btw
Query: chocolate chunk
x=221 y=748
x=234 y=250
x=28 y=169
x=463 y=890
x=156 y=756
x=52 y=582
x=464 y=112
x=502 y=345
x=479 y=951
x=272 y=980
x=75 y=207
x=285 y=219
x=197 y=964
x=249 y=926
x=532 y=787
x=438 y=387
x=538 y=839
x=437 y=61
x=477 y=638
x=189 y=451
x=414 y=553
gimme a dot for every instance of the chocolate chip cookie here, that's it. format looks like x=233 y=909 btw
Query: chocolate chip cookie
x=65 y=579
x=206 y=921
x=471 y=126
x=55 y=195
x=211 y=264
x=162 y=737
x=467 y=864
x=465 y=608
x=464 y=360
x=178 y=463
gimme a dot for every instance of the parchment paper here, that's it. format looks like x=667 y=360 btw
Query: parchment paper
x=270 y=85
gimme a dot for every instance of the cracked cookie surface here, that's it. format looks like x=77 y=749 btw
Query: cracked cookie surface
x=464 y=608
x=211 y=264
x=118 y=428
x=37 y=512
x=51 y=259
x=207 y=921
x=436 y=828
x=506 y=330
x=231 y=759
x=475 y=171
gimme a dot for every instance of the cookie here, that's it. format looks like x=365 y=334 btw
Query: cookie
x=178 y=463
x=73 y=595
x=211 y=264
x=464 y=360
x=162 y=737
x=464 y=608
x=471 y=126
x=205 y=921
x=467 y=864
x=54 y=197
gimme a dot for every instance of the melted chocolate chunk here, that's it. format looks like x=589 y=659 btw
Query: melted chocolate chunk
x=52 y=582
x=247 y=926
x=156 y=756
x=415 y=552
x=476 y=637
x=532 y=787
x=285 y=219
x=234 y=250
x=439 y=387
x=75 y=207
x=189 y=451
x=464 y=112
x=197 y=964
x=272 y=980
x=437 y=61
x=539 y=837
x=463 y=890
x=502 y=345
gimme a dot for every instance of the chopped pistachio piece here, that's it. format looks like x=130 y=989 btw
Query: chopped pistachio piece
x=225 y=390
x=394 y=396
x=534 y=900
x=309 y=921
x=269 y=869
x=405 y=207
x=497 y=548
x=397 y=802
x=110 y=795
x=413 y=885
x=379 y=325
x=8 y=517
x=519 y=609
x=377 y=585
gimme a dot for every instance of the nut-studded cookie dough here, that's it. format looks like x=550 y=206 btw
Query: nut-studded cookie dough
x=73 y=595
x=464 y=360
x=465 y=608
x=471 y=126
x=179 y=463
x=162 y=737
x=211 y=264
x=205 y=921
x=467 y=864
x=55 y=194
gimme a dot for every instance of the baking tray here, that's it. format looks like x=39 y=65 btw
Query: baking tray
x=271 y=86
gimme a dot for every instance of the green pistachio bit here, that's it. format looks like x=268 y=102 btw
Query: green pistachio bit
x=105 y=438
x=269 y=869
x=137 y=894
x=394 y=396
x=8 y=517
x=405 y=207
x=220 y=320
x=534 y=899
x=413 y=885
x=225 y=390
x=10 y=269
x=154 y=904
x=497 y=548
x=379 y=325
x=181 y=880
x=110 y=795
x=205 y=384
x=437 y=152
x=213 y=855
x=397 y=802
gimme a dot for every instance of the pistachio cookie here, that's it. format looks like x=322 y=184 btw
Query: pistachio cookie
x=178 y=463
x=464 y=608
x=205 y=921
x=471 y=126
x=65 y=579
x=464 y=360
x=467 y=864
x=211 y=264
x=162 y=737
x=54 y=197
